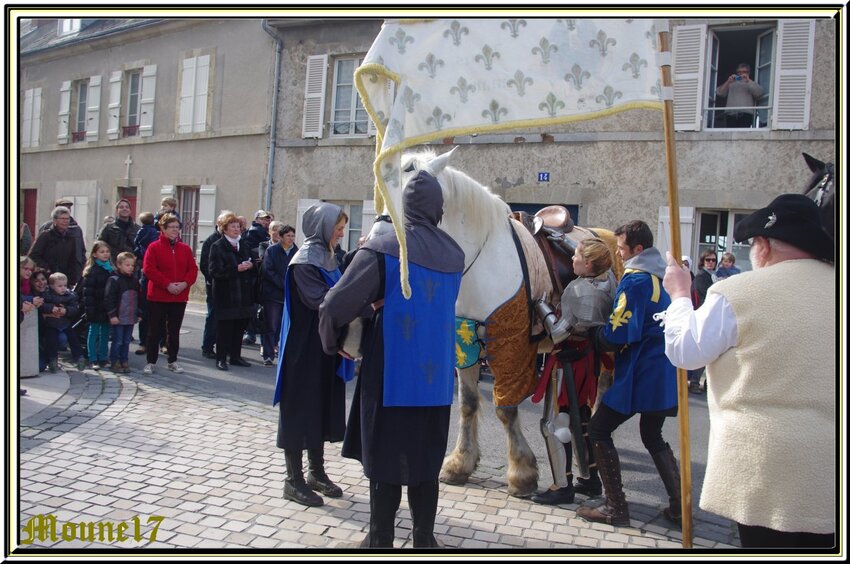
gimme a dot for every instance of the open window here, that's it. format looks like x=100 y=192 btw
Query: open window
x=348 y=116
x=780 y=55
x=131 y=102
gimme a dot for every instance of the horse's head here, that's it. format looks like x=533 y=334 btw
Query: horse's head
x=820 y=189
x=470 y=210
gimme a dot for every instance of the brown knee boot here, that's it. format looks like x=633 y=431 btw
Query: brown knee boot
x=665 y=462
x=615 y=510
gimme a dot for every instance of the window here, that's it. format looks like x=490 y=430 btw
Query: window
x=715 y=234
x=194 y=94
x=78 y=114
x=68 y=26
x=780 y=56
x=134 y=99
x=753 y=46
x=349 y=117
x=31 y=118
x=188 y=201
x=131 y=102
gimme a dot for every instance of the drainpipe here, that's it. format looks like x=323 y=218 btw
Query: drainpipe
x=273 y=133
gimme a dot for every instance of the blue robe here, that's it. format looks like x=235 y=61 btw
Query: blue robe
x=644 y=379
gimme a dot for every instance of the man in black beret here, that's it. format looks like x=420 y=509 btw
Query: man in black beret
x=767 y=339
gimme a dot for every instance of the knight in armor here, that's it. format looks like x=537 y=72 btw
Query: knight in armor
x=398 y=426
x=585 y=303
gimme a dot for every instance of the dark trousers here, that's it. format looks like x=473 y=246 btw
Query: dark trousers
x=51 y=342
x=753 y=536
x=228 y=341
x=273 y=312
x=164 y=318
x=739 y=120
x=606 y=420
x=209 y=325
x=143 y=311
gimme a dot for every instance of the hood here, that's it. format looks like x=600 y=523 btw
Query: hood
x=650 y=260
x=427 y=245
x=318 y=226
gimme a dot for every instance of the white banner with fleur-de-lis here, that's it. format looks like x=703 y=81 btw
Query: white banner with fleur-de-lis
x=458 y=77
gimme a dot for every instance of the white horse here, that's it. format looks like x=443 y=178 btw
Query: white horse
x=479 y=221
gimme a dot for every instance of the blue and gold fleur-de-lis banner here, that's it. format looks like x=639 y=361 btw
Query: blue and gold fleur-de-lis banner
x=457 y=77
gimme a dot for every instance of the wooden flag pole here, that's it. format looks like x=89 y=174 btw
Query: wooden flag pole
x=665 y=48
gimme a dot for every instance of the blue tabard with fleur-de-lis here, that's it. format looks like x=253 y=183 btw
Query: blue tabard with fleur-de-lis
x=419 y=343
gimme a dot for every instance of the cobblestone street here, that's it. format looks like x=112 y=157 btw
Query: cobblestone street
x=112 y=448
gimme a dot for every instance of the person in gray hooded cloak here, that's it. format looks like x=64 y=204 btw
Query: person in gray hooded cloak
x=310 y=392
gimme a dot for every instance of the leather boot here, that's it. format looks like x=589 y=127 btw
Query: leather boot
x=423 y=508
x=384 y=500
x=615 y=510
x=316 y=477
x=665 y=462
x=295 y=488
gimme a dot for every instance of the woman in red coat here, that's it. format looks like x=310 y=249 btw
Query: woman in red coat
x=171 y=270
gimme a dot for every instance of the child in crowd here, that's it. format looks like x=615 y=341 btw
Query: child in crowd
x=167 y=205
x=38 y=287
x=145 y=236
x=61 y=308
x=96 y=273
x=727 y=267
x=122 y=307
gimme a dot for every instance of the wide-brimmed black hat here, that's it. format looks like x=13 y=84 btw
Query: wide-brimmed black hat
x=792 y=218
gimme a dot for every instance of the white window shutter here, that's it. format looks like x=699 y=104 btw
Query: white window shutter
x=147 y=101
x=93 y=109
x=64 y=112
x=187 y=96
x=26 y=121
x=314 y=96
x=202 y=80
x=206 y=214
x=303 y=205
x=689 y=68
x=35 y=129
x=113 y=123
x=663 y=239
x=792 y=91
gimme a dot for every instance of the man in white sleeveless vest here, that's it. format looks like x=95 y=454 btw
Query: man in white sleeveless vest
x=767 y=338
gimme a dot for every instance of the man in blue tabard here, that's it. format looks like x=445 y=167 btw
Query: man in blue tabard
x=399 y=421
x=644 y=380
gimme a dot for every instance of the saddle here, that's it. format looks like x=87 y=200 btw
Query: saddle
x=557 y=236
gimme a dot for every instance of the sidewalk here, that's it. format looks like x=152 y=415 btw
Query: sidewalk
x=109 y=448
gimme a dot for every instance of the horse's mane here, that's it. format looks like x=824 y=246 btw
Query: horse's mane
x=483 y=211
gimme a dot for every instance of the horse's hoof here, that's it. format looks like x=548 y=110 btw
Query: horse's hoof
x=522 y=493
x=453 y=479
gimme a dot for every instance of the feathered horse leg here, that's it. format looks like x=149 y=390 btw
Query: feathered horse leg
x=461 y=463
x=522 y=465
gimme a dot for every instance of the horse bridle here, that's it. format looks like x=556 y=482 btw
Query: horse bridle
x=822 y=187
